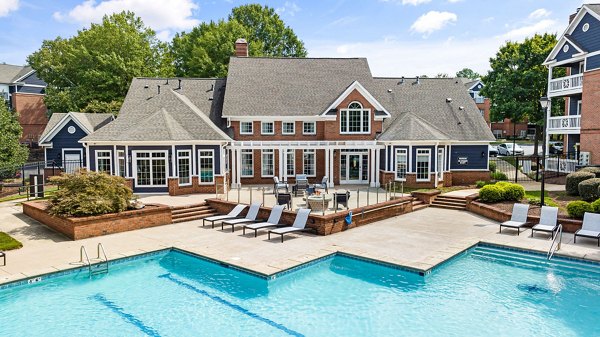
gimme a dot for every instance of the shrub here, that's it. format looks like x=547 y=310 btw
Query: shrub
x=577 y=208
x=481 y=183
x=588 y=189
x=534 y=201
x=591 y=169
x=89 y=193
x=491 y=193
x=514 y=192
x=573 y=180
x=596 y=206
x=493 y=166
x=498 y=176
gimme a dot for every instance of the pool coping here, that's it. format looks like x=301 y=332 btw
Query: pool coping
x=29 y=280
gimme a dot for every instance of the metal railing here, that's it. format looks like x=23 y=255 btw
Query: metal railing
x=556 y=240
x=564 y=123
x=564 y=84
x=83 y=252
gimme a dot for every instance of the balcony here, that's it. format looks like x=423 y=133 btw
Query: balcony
x=564 y=86
x=564 y=125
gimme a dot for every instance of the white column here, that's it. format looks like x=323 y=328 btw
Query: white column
x=548 y=114
x=285 y=163
x=410 y=159
x=331 y=167
x=327 y=163
x=233 y=171
x=372 y=167
x=280 y=164
x=377 y=162
x=238 y=158
x=127 y=161
x=174 y=172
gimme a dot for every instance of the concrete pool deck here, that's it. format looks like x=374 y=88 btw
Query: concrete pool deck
x=419 y=240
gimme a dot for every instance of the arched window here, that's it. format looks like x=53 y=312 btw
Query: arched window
x=355 y=119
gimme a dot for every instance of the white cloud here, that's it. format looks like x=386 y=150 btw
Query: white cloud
x=539 y=13
x=488 y=19
x=344 y=21
x=432 y=21
x=408 y=2
x=160 y=15
x=7 y=6
x=454 y=1
x=529 y=30
x=289 y=8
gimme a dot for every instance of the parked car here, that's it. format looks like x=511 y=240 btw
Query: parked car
x=493 y=151
x=555 y=147
x=506 y=149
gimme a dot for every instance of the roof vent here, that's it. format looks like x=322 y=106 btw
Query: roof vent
x=167 y=82
x=389 y=90
x=461 y=108
x=158 y=89
x=179 y=87
x=417 y=82
x=146 y=86
x=401 y=80
x=448 y=100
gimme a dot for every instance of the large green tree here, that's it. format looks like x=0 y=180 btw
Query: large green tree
x=205 y=50
x=468 y=73
x=12 y=153
x=92 y=70
x=518 y=79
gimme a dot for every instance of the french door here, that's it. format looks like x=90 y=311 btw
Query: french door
x=354 y=168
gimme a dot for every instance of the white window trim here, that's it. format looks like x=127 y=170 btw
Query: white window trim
x=109 y=159
x=69 y=150
x=293 y=153
x=267 y=133
x=440 y=174
x=189 y=157
x=428 y=165
x=578 y=112
x=213 y=167
x=242 y=163
x=347 y=111
x=135 y=171
x=288 y=133
x=251 y=128
x=120 y=155
x=314 y=152
x=396 y=155
x=262 y=162
x=314 y=124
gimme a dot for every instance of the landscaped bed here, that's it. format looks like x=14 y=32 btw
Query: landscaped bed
x=7 y=242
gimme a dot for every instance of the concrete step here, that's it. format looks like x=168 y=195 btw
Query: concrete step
x=193 y=217
x=418 y=207
x=451 y=199
x=190 y=209
x=449 y=203
x=193 y=213
x=448 y=206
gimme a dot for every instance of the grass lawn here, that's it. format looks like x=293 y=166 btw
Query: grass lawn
x=48 y=190
x=8 y=243
x=548 y=200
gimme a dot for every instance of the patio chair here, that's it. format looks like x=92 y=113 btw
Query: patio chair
x=341 y=198
x=548 y=221
x=518 y=218
x=273 y=221
x=322 y=185
x=277 y=185
x=590 y=227
x=301 y=184
x=250 y=217
x=234 y=213
x=285 y=199
x=298 y=226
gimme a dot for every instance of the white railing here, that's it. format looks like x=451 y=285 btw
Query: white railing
x=561 y=165
x=564 y=123
x=563 y=85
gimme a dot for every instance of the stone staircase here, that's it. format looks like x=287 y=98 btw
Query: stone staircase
x=418 y=204
x=191 y=212
x=449 y=202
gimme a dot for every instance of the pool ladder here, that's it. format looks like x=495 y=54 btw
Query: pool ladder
x=99 y=268
x=556 y=240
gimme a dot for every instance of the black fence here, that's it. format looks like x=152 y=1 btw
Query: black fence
x=20 y=174
x=531 y=168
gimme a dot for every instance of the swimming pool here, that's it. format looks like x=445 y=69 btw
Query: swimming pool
x=486 y=291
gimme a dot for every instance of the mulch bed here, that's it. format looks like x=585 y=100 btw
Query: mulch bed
x=559 y=197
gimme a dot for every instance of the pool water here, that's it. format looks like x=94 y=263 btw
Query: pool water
x=485 y=292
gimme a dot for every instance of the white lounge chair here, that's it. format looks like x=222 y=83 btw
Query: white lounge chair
x=273 y=220
x=548 y=221
x=590 y=227
x=250 y=217
x=298 y=226
x=234 y=213
x=518 y=218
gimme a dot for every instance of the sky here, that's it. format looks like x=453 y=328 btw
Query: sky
x=399 y=37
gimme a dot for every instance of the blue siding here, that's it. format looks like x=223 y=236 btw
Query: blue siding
x=432 y=157
x=573 y=105
x=561 y=56
x=590 y=40
x=33 y=79
x=478 y=87
x=62 y=140
x=382 y=155
x=473 y=154
x=593 y=62
x=31 y=90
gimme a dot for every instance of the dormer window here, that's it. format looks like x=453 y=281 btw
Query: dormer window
x=355 y=119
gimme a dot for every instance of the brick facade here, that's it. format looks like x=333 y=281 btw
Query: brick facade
x=195 y=187
x=590 y=116
x=485 y=106
x=469 y=177
x=32 y=115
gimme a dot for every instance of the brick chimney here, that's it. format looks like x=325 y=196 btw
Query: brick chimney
x=241 y=48
x=572 y=16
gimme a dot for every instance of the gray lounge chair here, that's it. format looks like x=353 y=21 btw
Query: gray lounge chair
x=322 y=185
x=298 y=226
x=273 y=220
x=301 y=184
x=234 y=213
x=548 y=221
x=590 y=227
x=518 y=219
x=250 y=217
x=277 y=185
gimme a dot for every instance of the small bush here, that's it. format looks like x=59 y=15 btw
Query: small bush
x=577 y=208
x=491 y=193
x=89 y=193
x=534 y=201
x=588 y=189
x=596 y=206
x=493 y=166
x=514 y=192
x=591 y=169
x=481 y=183
x=499 y=176
x=573 y=180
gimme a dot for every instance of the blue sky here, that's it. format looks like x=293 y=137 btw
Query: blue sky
x=399 y=37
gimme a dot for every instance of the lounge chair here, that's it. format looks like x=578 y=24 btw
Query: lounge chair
x=298 y=226
x=301 y=184
x=590 y=227
x=273 y=220
x=548 y=221
x=285 y=199
x=277 y=185
x=234 y=213
x=250 y=217
x=518 y=218
x=322 y=185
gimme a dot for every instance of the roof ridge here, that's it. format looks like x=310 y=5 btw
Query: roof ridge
x=199 y=112
x=297 y=58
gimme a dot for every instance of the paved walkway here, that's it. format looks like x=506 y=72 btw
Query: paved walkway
x=419 y=240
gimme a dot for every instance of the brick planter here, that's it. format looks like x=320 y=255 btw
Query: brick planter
x=77 y=228
x=426 y=196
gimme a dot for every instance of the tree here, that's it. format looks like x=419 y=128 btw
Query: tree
x=441 y=75
x=97 y=65
x=518 y=79
x=12 y=153
x=205 y=51
x=468 y=73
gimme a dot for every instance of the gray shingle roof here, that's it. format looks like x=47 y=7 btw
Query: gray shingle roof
x=594 y=7
x=190 y=113
x=289 y=86
x=420 y=110
x=10 y=73
x=91 y=121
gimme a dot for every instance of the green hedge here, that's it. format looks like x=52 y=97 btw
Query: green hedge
x=573 y=180
x=591 y=169
x=491 y=193
x=577 y=208
x=493 y=166
x=588 y=189
x=499 y=176
x=596 y=206
x=501 y=191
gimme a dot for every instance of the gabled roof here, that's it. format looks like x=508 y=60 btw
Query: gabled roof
x=411 y=127
x=290 y=86
x=469 y=85
x=361 y=90
x=88 y=122
x=11 y=73
x=186 y=113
